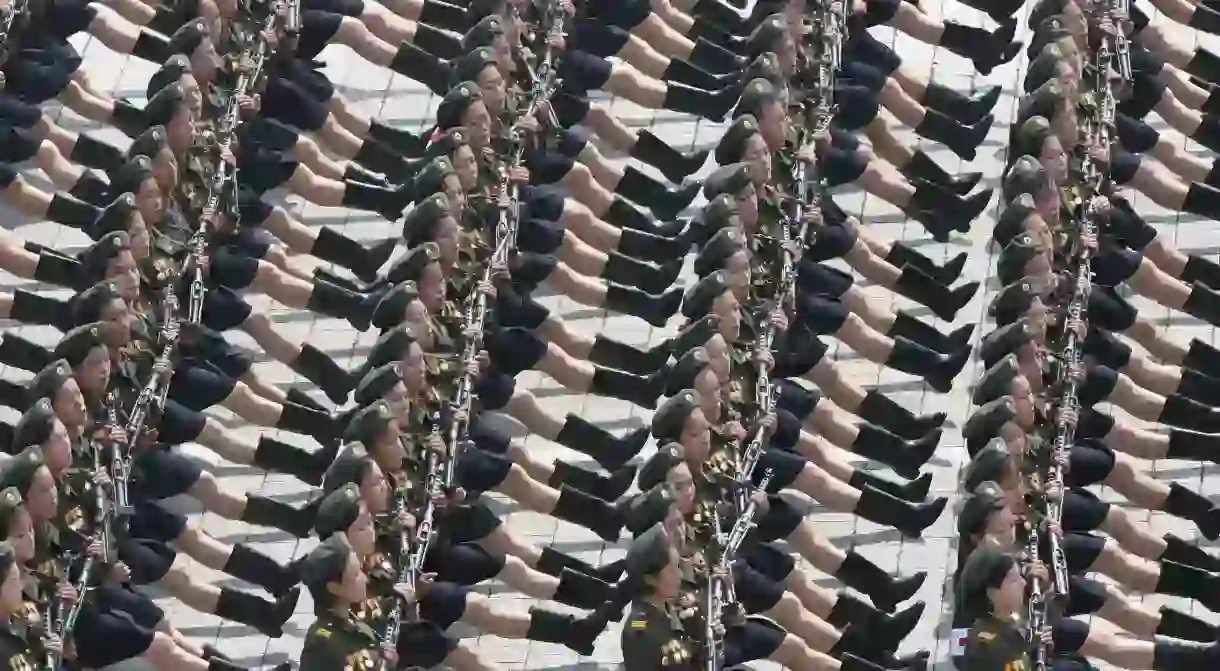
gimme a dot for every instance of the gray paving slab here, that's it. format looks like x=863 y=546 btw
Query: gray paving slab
x=378 y=93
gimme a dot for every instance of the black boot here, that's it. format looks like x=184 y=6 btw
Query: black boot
x=683 y=72
x=1171 y=655
x=639 y=274
x=986 y=50
x=876 y=408
x=375 y=156
x=444 y=15
x=710 y=106
x=640 y=390
x=74 y=213
x=32 y=308
x=1199 y=387
x=941 y=211
x=23 y=354
x=389 y=203
x=1205 y=65
x=604 y=488
x=1189 y=505
x=938 y=371
x=151 y=47
x=256 y=568
x=1191 y=446
x=1191 y=583
x=888 y=630
x=334 y=247
x=314 y=365
x=961 y=139
x=1202 y=357
x=438 y=42
x=295 y=395
x=1201 y=270
x=655 y=310
x=968 y=110
x=1179 y=551
x=265 y=512
x=905 y=457
x=877 y=506
x=651 y=247
x=614 y=354
x=306 y=421
x=1203 y=303
x=553 y=562
x=1176 y=624
x=582 y=591
x=265 y=616
x=915 y=491
x=578 y=634
x=415 y=63
x=901 y=255
x=279 y=457
x=715 y=58
x=925 y=290
x=869 y=579
x=93 y=153
x=589 y=512
x=1183 y=413
x=128 y=118
x=55 y=269
x=647 y=192
x=906 y=326
x=672 y=163
x=332 y=301
x=90 y=189
x=924 y=167
x=609 y=451
x=624 y=215
x=400 y=140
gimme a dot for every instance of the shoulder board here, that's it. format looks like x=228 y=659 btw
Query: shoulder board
x=639 y=624
x=322 y=632
x=986 y=636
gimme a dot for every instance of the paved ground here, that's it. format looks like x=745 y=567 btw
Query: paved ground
x=378 y=93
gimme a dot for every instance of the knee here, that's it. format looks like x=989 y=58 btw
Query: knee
x=580 y=176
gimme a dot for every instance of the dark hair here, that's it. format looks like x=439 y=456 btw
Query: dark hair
x=975 y=603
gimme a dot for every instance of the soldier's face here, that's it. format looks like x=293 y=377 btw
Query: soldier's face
x=1076 y=22
x=353 y=588
x=1009 y=597
x=140 y=241
x=747 y=208
x=412 y=367
x=93 y=374
x=725 y=307
x=773 y=124
x=375 y=491
x=361 y=535
x=737 y=267
x=447 y=239
x=21 y=535
x=478 y=122
x=668 y=582
x=696 y=436
x=10 y=590
x=1066 y=126
x=205 y=62
x=467 y=169
x=149 y=201
x=190 y=88
x=492 y=84
x=758 y=155
x=181 y=130
x=69 y=405
x=682 y=487
x=42 y=500
x=718 y=353
x=1047 y=203
x=1054 y=159
x=1002 y=525
x=1024 y=400
x=57 y=450
x=118 y=316
x=708 y=386
x=399 y=402
x=165 y=169
x=432 y=287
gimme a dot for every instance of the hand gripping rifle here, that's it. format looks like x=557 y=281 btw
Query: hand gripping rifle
x=719 y=593
x=413 y=551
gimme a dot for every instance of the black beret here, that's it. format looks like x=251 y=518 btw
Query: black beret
x=163 y=107
x=657 y=467
x=49 y=380
x=446 y=143
x=35 y=426
x=455 y=103
x=1012 y=219
x=647 y=509
x=1042 y=10
x=997 y=381
x=985 y=566
x=766 y=37
x=390 y=347
x=1031 y=136
x=683 y=373
x=648 y=554
x=87 y=307
x=733 y=145
x=1042 y=68
x=670 y=418
x=1005 y=340
x=115 y=217
x=990 y=464
x=1010 y=266
x=167 y=74
x=8 y=557
x=1051 y=29
x=348 y=468
x=326 y=563
x=757 y=95
x=470 y=65
x=694 y=334
x=19 y=471
x=410 y=267
x=79 y=342
x=983 y=500
x=150 y=143
x=732 y=179
x=375 y=385
x=337 y=511
x=1042 y=101
x=480 y=9
x=720 y=212
x=431 y=179
x=370 y=420
x=133 y=174
x=420 y=223
x=187 y=39
x=10 y=503
x=389 y=312
x=717 y=251
x=985 y=423
x=1013 y=300
x=699 y=299
x=483 y=33
x=97 y=256
x=1025 y=176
